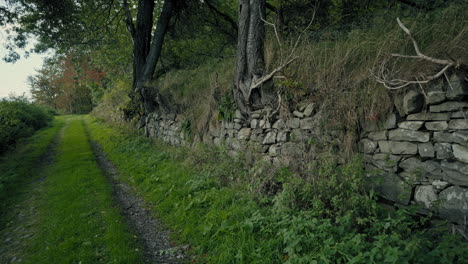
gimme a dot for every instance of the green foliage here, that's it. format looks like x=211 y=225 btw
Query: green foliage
x=227 y=108
x=212 y=202
x=19 y=119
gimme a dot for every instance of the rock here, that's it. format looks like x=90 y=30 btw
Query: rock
x=254 y=123
x=460 y=114
x=412 y=102
x=244 y=133
x=236 y=144
x=270 y=138
x=274 y=150
x=460 y=137
x=307 y=123
x=385 y=164
x=426 y=150
x=435 y=94
x=299 y=135
x=396 y=147
x=390 y=121
x=437 y=125
x=238 y=114
x=293 y=150
x=411 y=125
x=266 y=124
x=293 y=123
x=308 y=111
x=454 y=204
x=425 y=116
x=460 y=153
x=237 y=126
x=378 y=135
x=456 y=87
x=425 y=195
x=440 y=185
x=413 y=165
x=282 y=136
x=279 y=124
x=448 y=107
x=255 y=115
x=387 y=157
x=390 y=186
x=458 y=124
x=443 y=150
x=408 y=135
x=455 y=172
x=298 y=114
x=261 y=123
x=367 y=146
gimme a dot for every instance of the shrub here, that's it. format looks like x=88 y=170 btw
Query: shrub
x=19 y=118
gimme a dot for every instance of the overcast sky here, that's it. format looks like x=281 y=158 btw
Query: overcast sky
x=13 y=76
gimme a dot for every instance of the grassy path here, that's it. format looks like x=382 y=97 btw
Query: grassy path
x=76 y=219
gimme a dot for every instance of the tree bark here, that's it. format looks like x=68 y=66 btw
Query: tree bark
x=147 y=49
x=250 y=56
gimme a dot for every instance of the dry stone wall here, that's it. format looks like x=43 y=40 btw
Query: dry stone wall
x=416 y=155
x=419 y=154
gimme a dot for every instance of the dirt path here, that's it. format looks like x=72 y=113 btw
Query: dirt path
x=150 y=232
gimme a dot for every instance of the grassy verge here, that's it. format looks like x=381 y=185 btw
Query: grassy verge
x=78 y=222
x=18 y=166
x=233 y=214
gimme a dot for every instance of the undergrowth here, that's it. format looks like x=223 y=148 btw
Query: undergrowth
x=230 y=213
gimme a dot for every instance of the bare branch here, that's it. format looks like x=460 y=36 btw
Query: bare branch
x=268 y=77
x=129 y=18
x=383 y=73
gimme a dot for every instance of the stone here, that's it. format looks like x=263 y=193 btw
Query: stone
x=398 y=148
x=294 y=150
x=274 y=150
x=309 y=110
x=458 y=124
x=266 y=125
x=437 y=125
x=255 y=115
x=237 y=126
x=435 y=93
x=426 y=150
x=456 y=87
x=279 y=124
x=385 y=164
x=412 y=102
x=244 y=133
x=254 y=123
x=455 y=172
x=238 y=114
x=293 y=123
x=307 y=123
x=282 y=136
x=298 y=114
x=389 y=186
x=367 y=146
x=425 y=116
x=236 y=144
x=448 y=107
x=440 y=185
x=270 y=138
x=443 y=150
x=453 y=204
x=299 y=135
x=460 y=137
x=413 y=165
x=390 y=121
x=378 y=135
x=411 y=125
x=394 y=159
x=460 y=152
x=460 y=114
x=408 y=135
x=261 y=123
x=426 y=195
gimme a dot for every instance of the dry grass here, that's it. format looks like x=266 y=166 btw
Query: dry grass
x=336 y=71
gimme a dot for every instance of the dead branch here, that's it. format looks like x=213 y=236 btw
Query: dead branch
x=382 y=75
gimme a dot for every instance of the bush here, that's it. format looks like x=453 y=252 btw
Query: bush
x=19 y=118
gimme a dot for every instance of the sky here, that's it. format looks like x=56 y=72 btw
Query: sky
x=13 y=76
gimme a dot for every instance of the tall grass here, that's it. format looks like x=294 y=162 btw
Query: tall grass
x=335 y=68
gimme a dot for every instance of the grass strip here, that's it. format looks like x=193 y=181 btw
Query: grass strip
x=19 y=166
x=196 y=194
x=78 y=220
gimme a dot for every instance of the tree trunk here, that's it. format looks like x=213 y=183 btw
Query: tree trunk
x=250 y=56
x=147 y=49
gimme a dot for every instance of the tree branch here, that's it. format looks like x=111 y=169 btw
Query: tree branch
x=128 y=19
x=226 y=17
